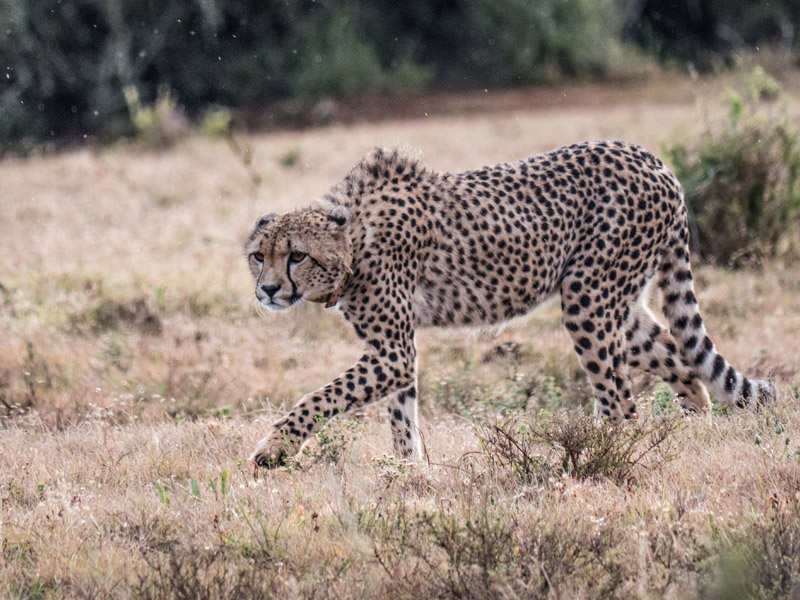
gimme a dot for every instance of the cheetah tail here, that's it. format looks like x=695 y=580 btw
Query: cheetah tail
x=687 y=327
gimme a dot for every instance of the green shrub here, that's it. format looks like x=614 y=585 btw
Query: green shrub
x=66 y=64
x=707 y=33
x=526 y=42
x=742 y=180
x=158 y=125
x=338 y=57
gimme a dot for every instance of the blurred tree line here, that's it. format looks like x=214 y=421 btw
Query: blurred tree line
x=68 y=65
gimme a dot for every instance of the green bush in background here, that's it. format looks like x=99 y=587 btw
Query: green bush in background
x=64 y=64
x=708 y=32
x=67 y=63
x=525 y=42
x=337 y=56
x=742 y=180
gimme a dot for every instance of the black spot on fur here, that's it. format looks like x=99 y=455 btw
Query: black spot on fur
x=719 y=366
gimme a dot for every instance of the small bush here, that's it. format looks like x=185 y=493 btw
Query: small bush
x=197 y=573
x=338 y=58
x=217 y=122
x=708 y=33
x=22 y=388
x=332 y=441
x=111 y=315
x=489 y=552
x=504 y=383
x=460 y=391
x=450 y=556
x=742 y=180
x=761 y=560
x=580 y=446
x=159 y=125
x=524 y=42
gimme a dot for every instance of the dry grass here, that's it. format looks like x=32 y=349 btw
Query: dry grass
x=136 y=374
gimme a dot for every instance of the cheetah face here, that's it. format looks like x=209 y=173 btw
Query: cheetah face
x=302 y=255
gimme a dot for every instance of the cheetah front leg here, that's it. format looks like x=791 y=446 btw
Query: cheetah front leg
x=385 y=370
x=403 y=419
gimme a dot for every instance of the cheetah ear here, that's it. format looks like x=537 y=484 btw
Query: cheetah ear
x=260 y=224
x=339 y=214
x=265 y=220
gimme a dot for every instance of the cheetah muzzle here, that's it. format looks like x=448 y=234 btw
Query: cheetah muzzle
x=395 y=247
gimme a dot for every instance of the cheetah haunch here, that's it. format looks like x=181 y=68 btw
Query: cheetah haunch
x=396 y=247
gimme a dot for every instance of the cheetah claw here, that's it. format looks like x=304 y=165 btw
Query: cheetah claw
x=271 y=452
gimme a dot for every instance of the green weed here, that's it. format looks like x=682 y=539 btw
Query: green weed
x=162 y=494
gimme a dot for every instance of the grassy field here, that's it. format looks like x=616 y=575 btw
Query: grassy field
x=136 y=374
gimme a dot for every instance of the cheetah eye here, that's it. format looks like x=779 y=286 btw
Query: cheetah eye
x=297 y=257
x=258 y=256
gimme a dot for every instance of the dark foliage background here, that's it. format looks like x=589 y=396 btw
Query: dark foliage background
x=706 y=31
x=66 y=63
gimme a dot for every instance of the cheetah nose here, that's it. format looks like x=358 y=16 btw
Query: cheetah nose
x=269 y=290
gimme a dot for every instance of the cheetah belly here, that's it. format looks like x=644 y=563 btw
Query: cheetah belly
x=468 y=297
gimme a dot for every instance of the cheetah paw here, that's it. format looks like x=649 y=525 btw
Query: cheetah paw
x=272 y=451
x=767 y=392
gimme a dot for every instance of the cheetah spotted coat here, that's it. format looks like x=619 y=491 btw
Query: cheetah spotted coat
x=400 y=247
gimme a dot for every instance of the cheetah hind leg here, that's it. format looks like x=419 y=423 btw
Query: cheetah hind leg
x=651 y=348
x=601 y=352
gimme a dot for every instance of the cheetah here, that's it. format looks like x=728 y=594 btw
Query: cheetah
x=396 y=246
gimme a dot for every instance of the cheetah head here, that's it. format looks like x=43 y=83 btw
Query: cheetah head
x=302 y=255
